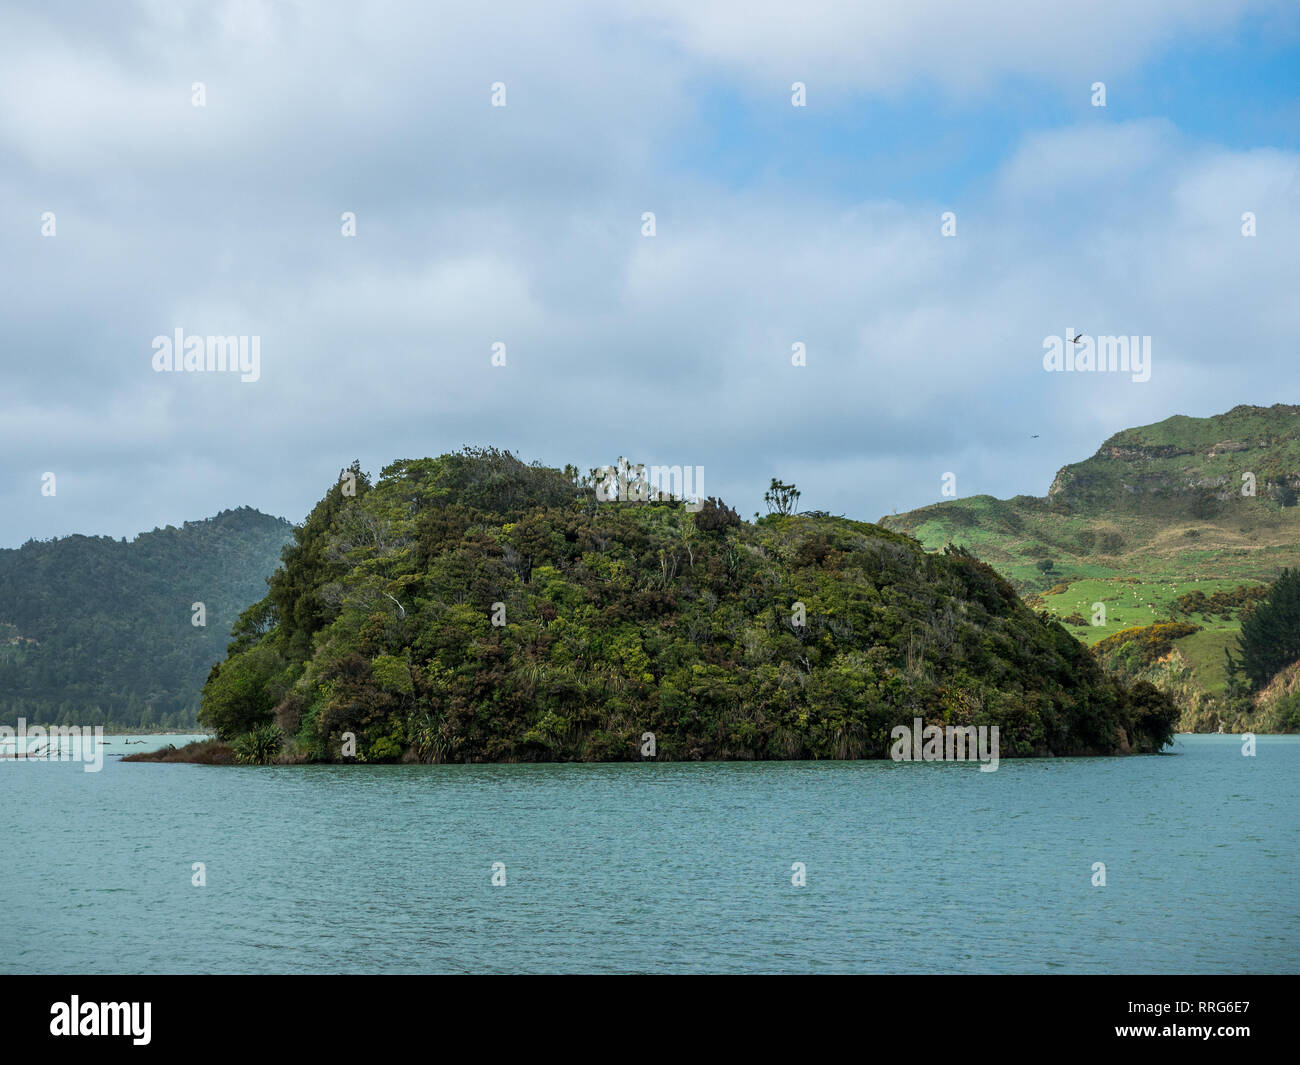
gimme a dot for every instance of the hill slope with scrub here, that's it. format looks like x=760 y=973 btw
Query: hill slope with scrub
x=1182 y=523
x=97 y=631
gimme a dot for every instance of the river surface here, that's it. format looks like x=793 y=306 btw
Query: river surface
x=910 y=867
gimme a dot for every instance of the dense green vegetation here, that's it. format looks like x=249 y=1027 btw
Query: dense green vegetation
x=1159 y=526
x=1278 y=705
x=1270 y=633
x=1262 y=662
x=96 y=631
x=472 y=607
x=1136 y=649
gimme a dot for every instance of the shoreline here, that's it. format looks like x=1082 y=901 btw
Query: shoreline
x=211 y=751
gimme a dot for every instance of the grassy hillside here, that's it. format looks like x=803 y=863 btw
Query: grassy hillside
x=97 y=631
x=474 y=608
x=1157 y=514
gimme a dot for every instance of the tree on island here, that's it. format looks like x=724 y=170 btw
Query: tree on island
x=781 y=498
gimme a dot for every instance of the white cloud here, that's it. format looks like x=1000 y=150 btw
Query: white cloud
x=888 y=45
x=924 y=352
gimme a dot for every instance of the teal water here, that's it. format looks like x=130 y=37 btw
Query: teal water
x=913 y=867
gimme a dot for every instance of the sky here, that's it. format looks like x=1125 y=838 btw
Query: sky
x=171 y=165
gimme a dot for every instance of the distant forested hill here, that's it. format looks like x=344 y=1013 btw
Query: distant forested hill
x=1153 y=549
x=101 y=631
x=474 y=608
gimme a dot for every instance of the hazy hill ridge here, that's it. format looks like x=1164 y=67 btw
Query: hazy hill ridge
x=101 y=631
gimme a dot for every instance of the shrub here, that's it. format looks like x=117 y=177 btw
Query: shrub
x=1137 y=648
x=258 y=747
x=715 y=516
